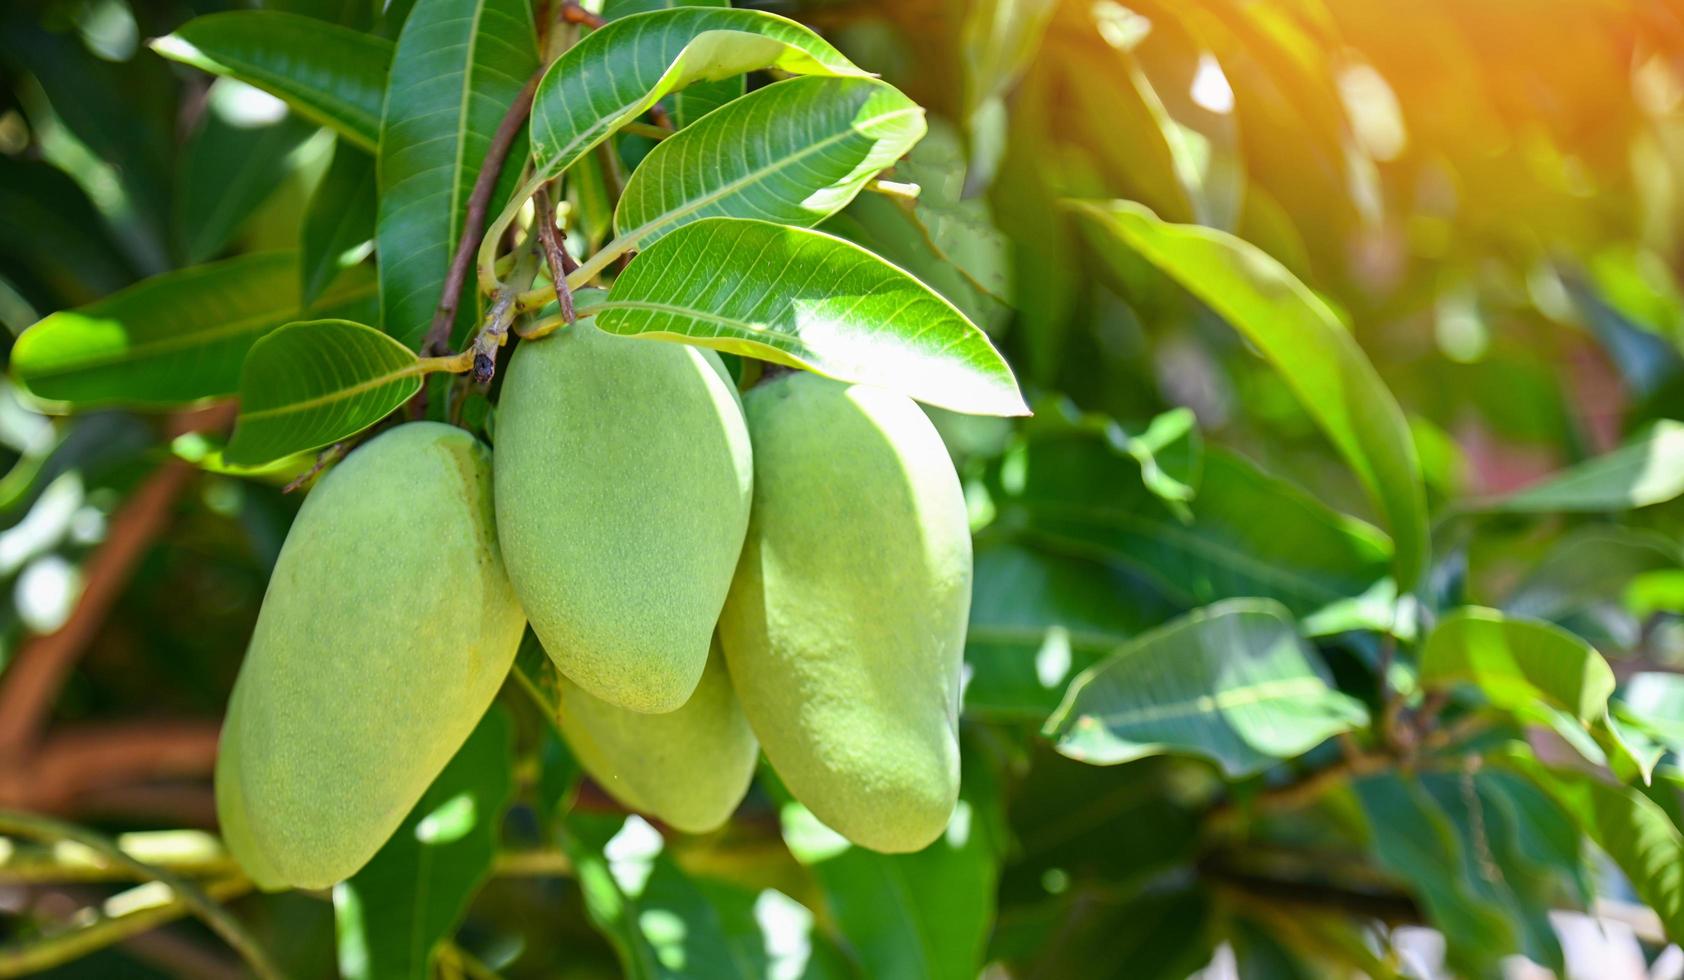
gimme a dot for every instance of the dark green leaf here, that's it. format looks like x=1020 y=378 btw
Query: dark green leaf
x=1495 y=867
x=458 y=67
x=339 y=225
x=332 y=74
x=395 y=911
x=805 y=299
x=1233 y=683
x=1413 y=839
x=1626 y=824
x=172 y=339
x=231 y=165
x=1036 y=621
x=925 y=914
x=665 y=923
x=1250 y=533
x=52 y=229
x=815 y=143
x=1305 y=341
x=313 y=383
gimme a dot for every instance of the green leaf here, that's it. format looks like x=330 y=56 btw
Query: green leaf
x=1037 y=620
x=230 y=165
x=815 y=143
x=173 y=339
x=1413 y=839
x=925 y=914
x=1581 y=582
x=616 y=73
x=1304 y=340
x=393 y=913
x=1495 y=867
x=1250 y=534
x=459 y=65
x=805 y=299
x=1517 y=663
x=698 y=98
x=328 y=73
x=339 y=223
x=946 y=239
x=1232 y=682
x=1631 y=828
x=1653 y=703
x=664 y=922
x=1646 y=471
x=54 y=231
x=313 y=383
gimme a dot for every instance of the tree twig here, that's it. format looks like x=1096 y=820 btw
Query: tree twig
x=200 y=904
x=572 y=13
x=143 y=911
x=473 y=224
x=555 y=251
x=56 y=772
x=33 y=679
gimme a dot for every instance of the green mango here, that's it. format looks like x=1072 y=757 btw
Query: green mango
x=231 y=815
x=623 y=483
x=845 y=626
x=387 y=629
x=689 y=767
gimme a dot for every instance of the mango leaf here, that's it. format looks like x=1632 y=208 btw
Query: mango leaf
x=172 y=339
x=393 y=913
x=1583 y=578
x=458 y=67
x=816 y=142
x=313 y=383
x=1517 y=663
x=1630 y=827
x=1654 y=702
x=1037 y=620
x=805 y=299
x=1646 y=471
x=1249 y=534
x=698 y=98
x=1304 y=340
x=616 y=73
x=664 y=922
x=1232 y=682
x=339 y=223
x=230 y=165
x=925 y=914
x=946 y=239
x=1495 y=865
x=54 y=231
x=1414 y=839
x=333 y=75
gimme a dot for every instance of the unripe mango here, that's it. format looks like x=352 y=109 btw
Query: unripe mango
x=388 y=626
x=689 y=767
x=845 y=626
x=623 y=479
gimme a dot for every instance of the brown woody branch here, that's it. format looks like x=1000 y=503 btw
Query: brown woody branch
x=473 y=224
x=32 y=681
x=555 y=252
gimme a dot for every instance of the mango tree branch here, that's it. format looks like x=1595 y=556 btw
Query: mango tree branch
x=555 y=251
x=199 y=903
x=32 y=680
x=479 y=199
x=142 y=909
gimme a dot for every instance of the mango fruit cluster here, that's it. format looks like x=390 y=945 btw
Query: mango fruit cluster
x=787 y=571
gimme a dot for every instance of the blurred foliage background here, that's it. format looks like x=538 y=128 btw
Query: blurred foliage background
x=1489 y=193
